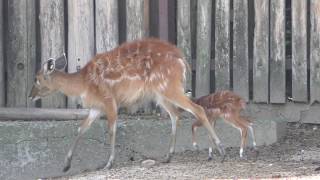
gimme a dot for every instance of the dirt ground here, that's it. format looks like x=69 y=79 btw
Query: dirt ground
x=298 y=154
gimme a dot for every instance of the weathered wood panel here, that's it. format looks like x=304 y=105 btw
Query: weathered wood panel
x=193 y=22
x=2 y=84
x=315 y=51
x=277 y=52
x=21 y=51
x=261 y=52
x=172 y=23
x=134 y=12
x=135 y=30
x=203 y=57
x=163 y=20
x=42 y=114
x=222 y=45
x=184 y=35
x=80 y=37
x=146 y=17
x=52 y=37
x=299 y=51
x=240 y=49
x=107 y=32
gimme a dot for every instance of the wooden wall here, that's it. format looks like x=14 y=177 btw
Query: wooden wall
x=265 y=50
x=2 y=83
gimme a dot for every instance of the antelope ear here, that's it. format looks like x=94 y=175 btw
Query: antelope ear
x=61 y=62
x=48 y=66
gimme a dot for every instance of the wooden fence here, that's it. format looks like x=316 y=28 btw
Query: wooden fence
x=264 y=50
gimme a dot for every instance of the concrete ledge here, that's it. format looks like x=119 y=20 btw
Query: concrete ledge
x=37 y=149
x=290 y=112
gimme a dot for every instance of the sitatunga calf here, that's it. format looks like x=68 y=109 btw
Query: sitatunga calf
x=225 y=105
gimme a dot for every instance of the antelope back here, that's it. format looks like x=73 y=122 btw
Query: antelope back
x=138 y=69
x=226 y=101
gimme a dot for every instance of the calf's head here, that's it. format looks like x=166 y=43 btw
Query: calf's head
x=43 y=84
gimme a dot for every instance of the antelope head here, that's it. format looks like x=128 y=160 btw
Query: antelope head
x=43 y=84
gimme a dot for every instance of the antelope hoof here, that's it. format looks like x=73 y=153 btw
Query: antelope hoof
x=223 y=158
x=210 y=158
x=196 y=147
x=66 y=168
x=317 y=169
x=67 y=164
x=243 y=158
x=221 y=149
x=256 y=154
x=168 y=158
x=109 y=165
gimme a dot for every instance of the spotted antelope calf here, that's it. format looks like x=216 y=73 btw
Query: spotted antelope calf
x=225 y=105
x=142 y=69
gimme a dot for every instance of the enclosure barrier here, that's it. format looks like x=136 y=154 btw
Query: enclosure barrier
x=28 y=114
x=265 y=50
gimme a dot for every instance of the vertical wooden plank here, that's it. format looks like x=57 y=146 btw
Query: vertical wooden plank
x=107 y=32
x=193 y=24
x=2 y=84
x=203 y=47
x=21 y=48
x=222 y=45
x=163 y=20
x=80 y=37
x=134 y=11
x=315 y=51
x=52 y=40
x=172 y=23
x=240 y=49
x=31 y=47
x=154 y=18
x=146 y=17
x=135 y=30
x=184 y=35
x=122 y=20
x=299 y=51
x=277 y=52
x=261 y=52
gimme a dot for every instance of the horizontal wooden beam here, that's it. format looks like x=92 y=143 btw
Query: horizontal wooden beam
x=42 y=114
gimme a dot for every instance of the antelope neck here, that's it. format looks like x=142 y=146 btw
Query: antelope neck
x=69 y=84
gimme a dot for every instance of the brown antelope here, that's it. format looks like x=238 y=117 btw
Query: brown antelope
x=143 y=69
x=226 y=105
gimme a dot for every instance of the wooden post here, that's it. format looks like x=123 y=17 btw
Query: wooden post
x=52 y=37
x=146 y=16
x=222 y=45
x=107 y=32
x=240 y=49
x=135 y=30
x=163 y=20
x=299 y=51
x=315 y=51
x=203 y=47
x=2 y=84
x=80 y=37
x=42 y=114
x=261 y=52
x=135 y=26
x=21 y=51
x=277 y=52
x=184 y=35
